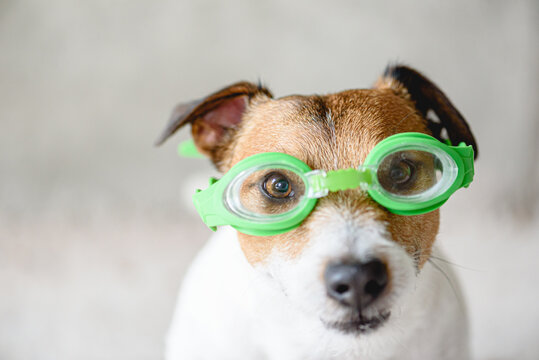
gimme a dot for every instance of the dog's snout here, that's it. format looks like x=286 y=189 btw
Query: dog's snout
x=356 y=284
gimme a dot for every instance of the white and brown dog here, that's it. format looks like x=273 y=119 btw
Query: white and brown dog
x=294 y=295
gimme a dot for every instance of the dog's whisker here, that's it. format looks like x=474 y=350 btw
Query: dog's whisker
x=451 y=284
x=453 y=264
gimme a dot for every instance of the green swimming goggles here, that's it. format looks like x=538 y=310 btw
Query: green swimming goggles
x=272 y=193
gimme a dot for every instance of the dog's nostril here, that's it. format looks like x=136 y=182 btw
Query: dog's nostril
x=342 y=288
x=377 y=278
x=373 y=288
x=356 y=284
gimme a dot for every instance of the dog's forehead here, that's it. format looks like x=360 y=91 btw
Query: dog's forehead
x=327 y=132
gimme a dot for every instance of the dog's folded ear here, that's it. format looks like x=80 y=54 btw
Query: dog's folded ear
x=215 y=117
x=426 y=97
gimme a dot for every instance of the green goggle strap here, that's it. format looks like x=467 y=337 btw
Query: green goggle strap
x=466 y=154
x=188 y=149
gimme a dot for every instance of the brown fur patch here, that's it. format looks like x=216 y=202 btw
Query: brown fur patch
x=331 y=132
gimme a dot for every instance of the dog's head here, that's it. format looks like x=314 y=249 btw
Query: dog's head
x=351 y=260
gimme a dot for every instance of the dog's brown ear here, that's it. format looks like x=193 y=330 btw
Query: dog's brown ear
x=215 y=117
x=426 y=96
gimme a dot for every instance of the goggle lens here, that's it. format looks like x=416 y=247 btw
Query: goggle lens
x=415 y=175
x=268 y=191
x=409 y=172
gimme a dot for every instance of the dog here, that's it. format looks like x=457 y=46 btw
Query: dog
x=268 y=297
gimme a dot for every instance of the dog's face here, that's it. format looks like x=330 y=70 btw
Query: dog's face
x=351 y=261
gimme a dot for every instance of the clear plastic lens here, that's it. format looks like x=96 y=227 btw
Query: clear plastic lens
x=266 y=192
x=271 y=191
x=414 y=174
x=409 y=172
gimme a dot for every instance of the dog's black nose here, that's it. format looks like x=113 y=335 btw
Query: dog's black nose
x=356 y=284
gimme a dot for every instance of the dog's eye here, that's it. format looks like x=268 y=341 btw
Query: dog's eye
x=405 y=172
x=409 y=172
x=270 y=191
x=401 y=172
x=277 y=186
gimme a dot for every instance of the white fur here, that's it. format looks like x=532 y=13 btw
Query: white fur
x=228 y=309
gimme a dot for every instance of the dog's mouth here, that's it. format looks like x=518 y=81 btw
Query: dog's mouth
x=359 y=323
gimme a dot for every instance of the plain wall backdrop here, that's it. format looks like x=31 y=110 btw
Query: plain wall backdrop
x=96 y=227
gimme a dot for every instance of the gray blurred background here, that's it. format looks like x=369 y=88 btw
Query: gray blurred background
x=96 y=229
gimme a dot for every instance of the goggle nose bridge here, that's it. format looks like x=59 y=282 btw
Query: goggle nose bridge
x=322 y=182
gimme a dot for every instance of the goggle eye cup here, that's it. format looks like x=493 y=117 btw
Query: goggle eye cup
x=269 y=191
